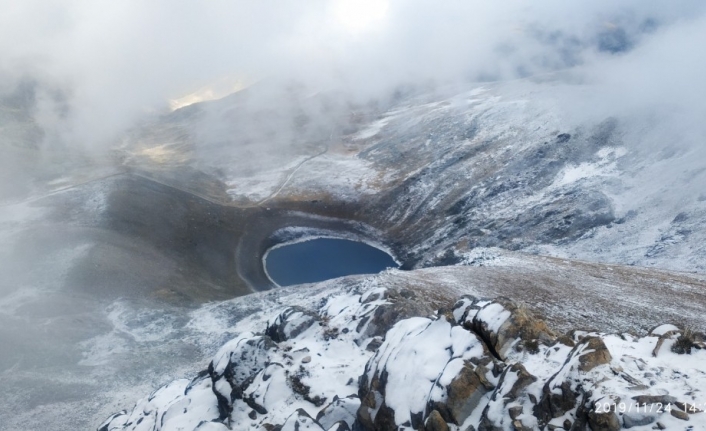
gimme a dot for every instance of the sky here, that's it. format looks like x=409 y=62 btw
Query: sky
x=102 y=65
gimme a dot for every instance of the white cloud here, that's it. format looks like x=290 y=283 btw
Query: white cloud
x=118 y=60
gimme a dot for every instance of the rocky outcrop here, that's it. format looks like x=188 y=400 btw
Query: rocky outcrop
x=301 y=421
x=494 y=389
x=565 y=392
x=237 y=370
x=476 y=365
x=290 y=323
x=398 y=304
x=181 y=403
x=464 y=394
x=509 y=402
x=487 y=378
x=340 y=410
x=427 y=355
x=256 y=378
x=502 y=324
x=435 y=422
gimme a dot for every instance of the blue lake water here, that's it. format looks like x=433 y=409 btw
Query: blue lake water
x=322 y=259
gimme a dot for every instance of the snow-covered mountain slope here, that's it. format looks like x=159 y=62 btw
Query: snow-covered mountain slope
x=426 y=350
x=102 y=267
x=499 y=164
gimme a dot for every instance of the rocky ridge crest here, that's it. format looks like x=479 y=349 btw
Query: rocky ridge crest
x=373 y=358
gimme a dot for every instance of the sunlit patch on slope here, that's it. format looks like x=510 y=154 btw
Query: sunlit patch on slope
x=167 y=153
x=216 y=90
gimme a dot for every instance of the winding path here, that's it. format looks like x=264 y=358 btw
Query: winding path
x=191 y=192
x=291 y=174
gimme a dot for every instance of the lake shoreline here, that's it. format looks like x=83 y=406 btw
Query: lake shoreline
x=312 y=260
x=273 y=228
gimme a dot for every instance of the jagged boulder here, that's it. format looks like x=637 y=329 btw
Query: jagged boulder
x=339 y=426
x=435 y=422
x=509 y=401
x=399 y=304
x=418 y=353
x=456 y=399
x=339 y=410
x=290 y=323
x=181 y=403
x=591 y=352
x=235 y=365
x=601 y=415
x=501 y=323
x=301 y=421
x=570 y=387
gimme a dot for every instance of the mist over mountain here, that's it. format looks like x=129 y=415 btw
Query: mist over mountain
x=534 y=175
x=95 y=69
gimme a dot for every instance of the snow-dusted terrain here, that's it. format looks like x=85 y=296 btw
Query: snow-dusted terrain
x=364 y=353
x=500 y=164
x=118 y=277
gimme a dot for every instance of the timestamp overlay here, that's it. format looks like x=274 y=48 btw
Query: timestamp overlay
x=657 y=407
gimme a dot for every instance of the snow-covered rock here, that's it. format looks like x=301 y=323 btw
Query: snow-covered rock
x=290 y=323
x=501 y=323
x=423 y=354
x=567 y=390
x=179 y=405
x=435 y=371
x=509 y=400
x=340 y=410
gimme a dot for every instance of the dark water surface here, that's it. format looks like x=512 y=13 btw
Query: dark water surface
x=324 y=258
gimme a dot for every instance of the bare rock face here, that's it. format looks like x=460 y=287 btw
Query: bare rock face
x=427 y=355
x=464 y=394
x=602 y=419
x=591 y=353
x=435 y=422
x=501 y=323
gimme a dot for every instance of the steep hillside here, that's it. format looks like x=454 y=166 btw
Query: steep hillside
x=492 y=165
